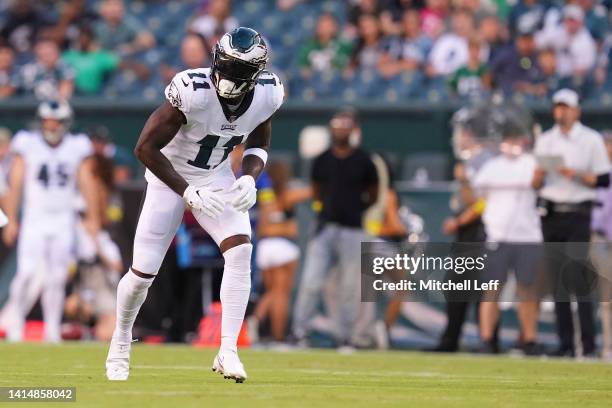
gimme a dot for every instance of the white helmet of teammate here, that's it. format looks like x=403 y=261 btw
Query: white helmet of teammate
x=55 y=120
x=239 y=57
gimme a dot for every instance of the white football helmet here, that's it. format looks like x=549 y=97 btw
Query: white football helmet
x=59 y=111
x=239 y=57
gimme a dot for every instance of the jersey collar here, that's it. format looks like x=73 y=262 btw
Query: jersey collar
x=244 y=106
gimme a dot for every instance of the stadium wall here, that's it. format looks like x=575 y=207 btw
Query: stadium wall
x=400 y=129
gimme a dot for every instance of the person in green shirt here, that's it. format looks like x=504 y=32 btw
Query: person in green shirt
x=474 y=77
x=325 y=52
x=92 y=65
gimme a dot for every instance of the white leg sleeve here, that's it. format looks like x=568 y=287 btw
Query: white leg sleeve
x=58 y=259
x=235 y=289
x=131 y=294
x=30 y=254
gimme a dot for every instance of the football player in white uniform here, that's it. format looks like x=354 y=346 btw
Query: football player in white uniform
x=185 y=145
x=49 y=168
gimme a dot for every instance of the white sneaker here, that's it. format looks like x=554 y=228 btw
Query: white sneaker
x=228 y=364
x=118 y=361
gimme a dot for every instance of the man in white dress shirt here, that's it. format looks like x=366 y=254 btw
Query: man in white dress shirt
x=567 y=193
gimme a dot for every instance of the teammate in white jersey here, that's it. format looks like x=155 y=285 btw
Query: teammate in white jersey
x=185 y=145
x=49 y=168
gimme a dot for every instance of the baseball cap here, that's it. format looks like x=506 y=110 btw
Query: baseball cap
x=573 y=12
x=566 y=97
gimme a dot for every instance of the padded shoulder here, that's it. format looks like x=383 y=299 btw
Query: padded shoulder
x=275 y=90
x=190 y=90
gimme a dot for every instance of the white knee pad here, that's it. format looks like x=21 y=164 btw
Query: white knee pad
x=147 y=258
x=237 y=270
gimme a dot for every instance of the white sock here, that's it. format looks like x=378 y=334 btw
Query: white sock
x=235 y=290
x=52 y=302
x=131 y=294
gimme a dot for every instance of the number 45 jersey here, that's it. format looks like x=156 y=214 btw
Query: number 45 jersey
x=50 y=180
x=200 y=149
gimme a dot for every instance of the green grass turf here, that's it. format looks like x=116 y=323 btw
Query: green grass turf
x=176 y=376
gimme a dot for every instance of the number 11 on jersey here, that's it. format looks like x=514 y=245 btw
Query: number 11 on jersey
x=207 y=144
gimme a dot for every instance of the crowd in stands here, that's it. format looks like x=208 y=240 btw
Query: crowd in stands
x=388 y=50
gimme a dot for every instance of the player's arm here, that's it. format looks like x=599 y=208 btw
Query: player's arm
x=158 y=131
x=88 y=186
x=253 y=163
x=13 y=200
x=258 y=143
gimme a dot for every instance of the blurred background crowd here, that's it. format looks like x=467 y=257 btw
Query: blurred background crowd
x=386 y=50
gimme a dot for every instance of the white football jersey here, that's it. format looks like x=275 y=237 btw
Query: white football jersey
x=201 y=147
x=50 y=182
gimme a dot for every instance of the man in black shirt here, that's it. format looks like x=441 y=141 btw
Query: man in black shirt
x=345 y=184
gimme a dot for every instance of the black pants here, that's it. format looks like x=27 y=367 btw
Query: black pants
x=456 y=310
x=571 y=227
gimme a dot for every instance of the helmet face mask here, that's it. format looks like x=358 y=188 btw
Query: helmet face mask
x=239 y=57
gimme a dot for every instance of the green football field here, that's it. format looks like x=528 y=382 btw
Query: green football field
x=180 y=377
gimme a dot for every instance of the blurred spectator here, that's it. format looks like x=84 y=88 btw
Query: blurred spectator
x=473 y=78
x=595 y=19
x=548 y=81
x=450 y=51
x=398 y=7
x=286 y=5
x=194 y=54
x=368 y=46
x=479 y=9
x=344 y=185
x=603 y=66
x=72 y=15
x=47 y=77
x=122 y=159
x=493 y=33
x=22 y=23
x=433 y=16
x=5 y=153
x=325 y=52
x=93 y=297
x=357 y=9
x=466 y=226
x=576 y=49
x=516 y=65
x=8 y=73
x=120 y=32
x=528 y=15
x=567 y=194
x=277 y=254
x=512 y=221
x=601 y=226
x=217 y=21
x=409 y=51
x=93 y=65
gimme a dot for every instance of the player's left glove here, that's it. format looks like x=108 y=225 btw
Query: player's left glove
x=246 y=193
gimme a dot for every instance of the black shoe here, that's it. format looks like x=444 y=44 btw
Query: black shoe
x=563 y=353
x=442 y=348
x=590 y=355
x=488 y=347
x=532 y=349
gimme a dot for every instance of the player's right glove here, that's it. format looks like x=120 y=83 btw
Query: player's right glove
x=205 y=200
